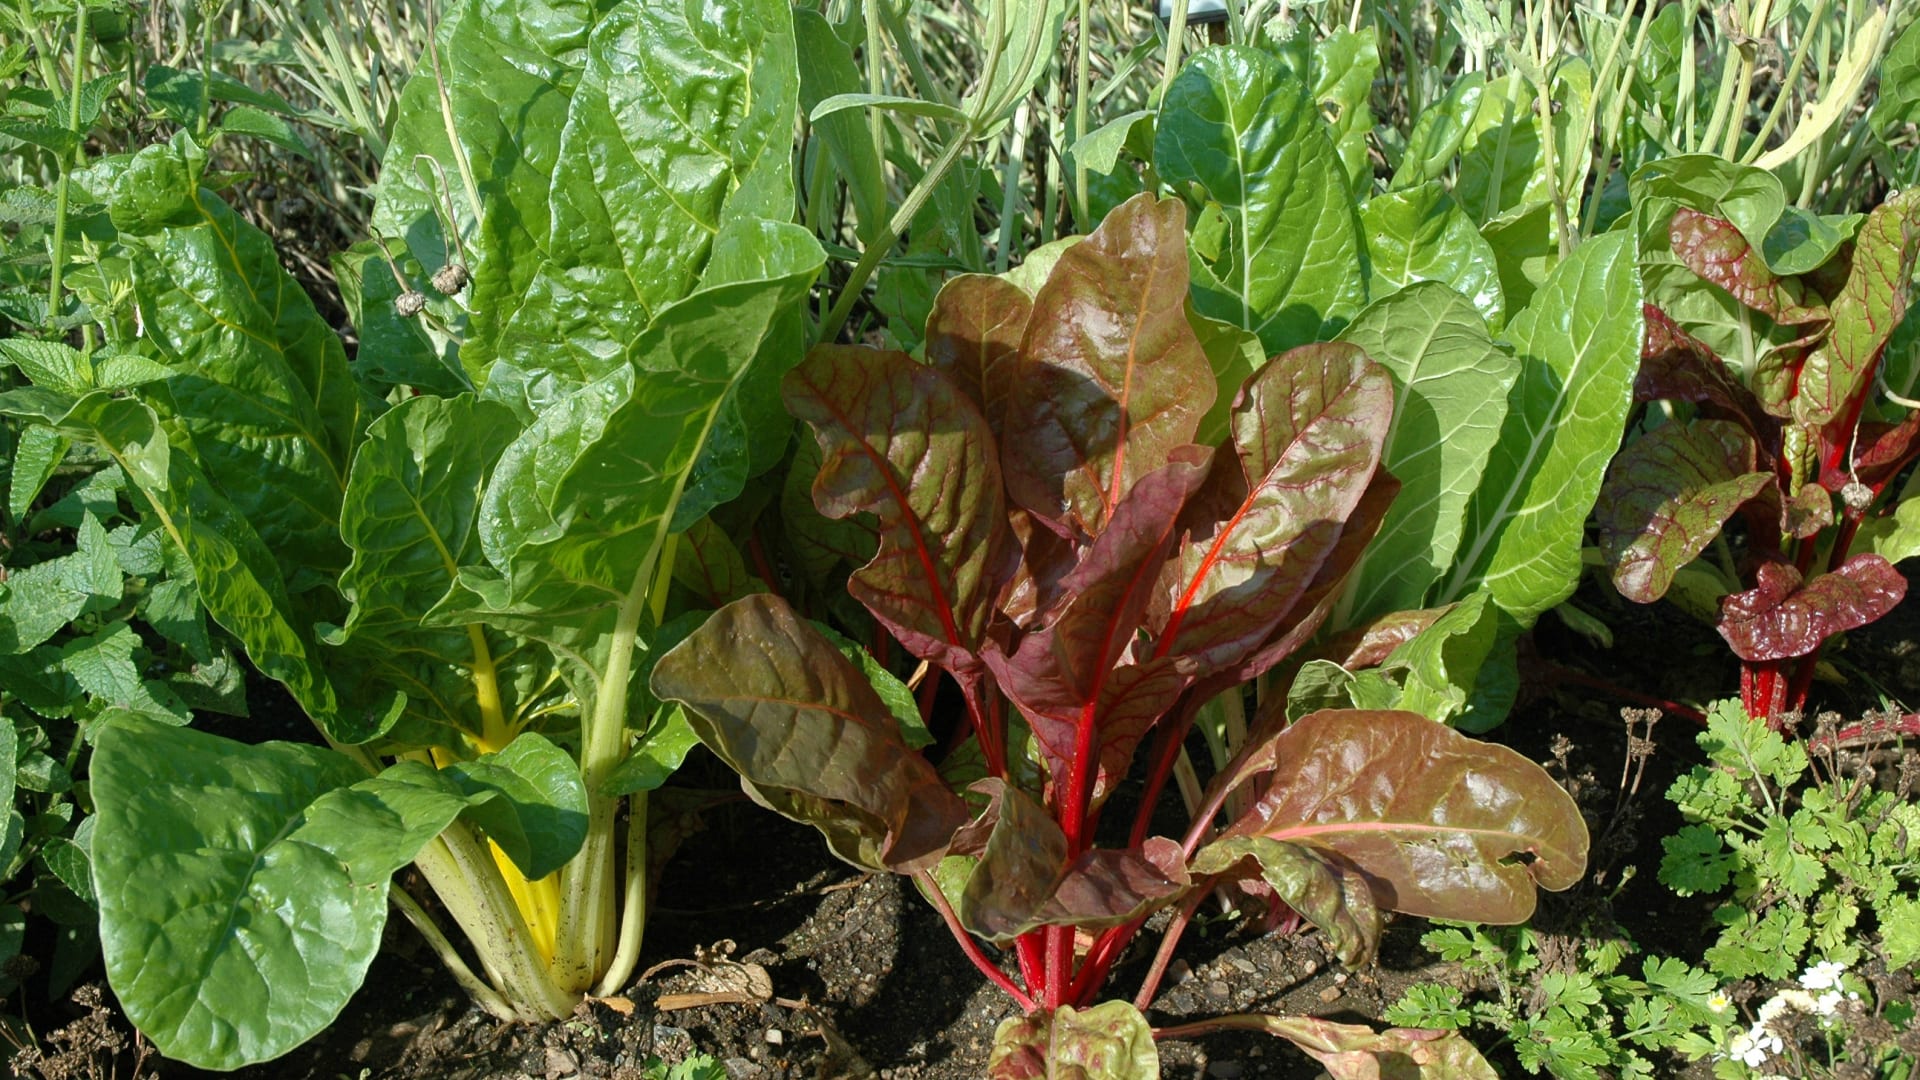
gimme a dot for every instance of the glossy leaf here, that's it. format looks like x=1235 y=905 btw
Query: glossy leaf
x=1450 y=387
x=1715 y=249
x=1438 y=132
x=1024 y=878
x=1307 y=433
x=1111 y=377
x=809 y=736
x=1666 y=496
x=1433 y=818
x=1578 y=344
x=974 y=336
x=1783 y=617
x=530 y=801
x=1875 y=298
x=1321 y=887
x=1238 y=126
x=1418 y=234
x=902 y=442
x=1439 y=668
x=1111 y=1041
x=243 y=889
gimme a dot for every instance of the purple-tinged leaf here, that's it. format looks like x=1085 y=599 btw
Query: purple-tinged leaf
x=1807 y=513
x=1442 y=825
x=1111 y=377
x=819 y=544
x=1783 y=617
x=1874 y=300
x=1880 y=452
x=809 y=736
x=900 y=441
x=1324 y=889
x=1666 y=496
x=1676 y=366
x=1068 y=675
x=1111 y=1041
x=1367 y=645
x=1024 y=879
x=1715 y=249
x=1046 y=558
x=973 y=335
x=1357 y=1052
x=1308 y=430
x=711 y=567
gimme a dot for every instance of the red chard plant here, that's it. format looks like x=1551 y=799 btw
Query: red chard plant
x=1052 y=538
x=1801 y=446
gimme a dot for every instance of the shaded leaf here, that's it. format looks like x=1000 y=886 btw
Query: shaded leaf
x=1666 y=496
x=1322 y=887
x=973 y=337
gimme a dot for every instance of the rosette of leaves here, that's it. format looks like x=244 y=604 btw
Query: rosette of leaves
x=1797 y=440
x=1051 y=536
x=455 y=551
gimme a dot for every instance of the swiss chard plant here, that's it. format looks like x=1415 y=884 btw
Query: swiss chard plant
x=1053 y=537
x=1767 y=366
x=454 y=550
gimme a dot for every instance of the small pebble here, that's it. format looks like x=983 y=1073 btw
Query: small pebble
x=1242 y=964
x=1330 y=995
x=1227 y=1070
x=1178 y=972
x=1218 y=989
x=776 y=1036
x=560 y=1063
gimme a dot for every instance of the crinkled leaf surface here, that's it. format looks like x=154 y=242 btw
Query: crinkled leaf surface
x=1450 y=386
x=1783 y=617
x=974 y=337
x=1433 y=818
x=1440 y=666
x=1418 y=234
x=1111 y=1041
x=1323 y=888
x=901 y=441
x=1578 y=345
x=1024 y=879
x=1875 y=298
x=243 y=889
x=1249 y=135
x=1666 y=496
x=1715 y=249
x=1307 y=433
x=1110 y=377
x=809 y=736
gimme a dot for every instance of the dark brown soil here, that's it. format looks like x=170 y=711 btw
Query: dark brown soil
x=865 y=980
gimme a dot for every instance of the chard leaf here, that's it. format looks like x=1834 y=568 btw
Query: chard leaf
x=1357 y=1052
x=1439 y=131
x=1024 y=879
x=1110 y=377
x=1666 y=496
x=886 y=425
x=254 y=364
x=809 y=736
x=1307 y=432
x=973 y=337
x=711 y=567
x=1248 y=134
x=1450 y=386
x=410 y=516
x=1110 y=1041
x=1432 y=817
x=1783 y=617
x=529 y=800
x=1442 y=664
x=1418 y=234
x=1578 y=344
x=1068 y=674
x=1317 y=884
x=1715 y=249
x=1871 y=304
x=243 y=889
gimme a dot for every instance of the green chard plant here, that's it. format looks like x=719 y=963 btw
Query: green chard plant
x=454 y=552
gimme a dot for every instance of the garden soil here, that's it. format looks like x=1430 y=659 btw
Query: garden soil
x=768 y=954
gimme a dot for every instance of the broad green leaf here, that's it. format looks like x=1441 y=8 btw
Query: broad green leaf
x=1434 y=818
x=243 y=889
x=102 y=664
x=1100 y=148
x=1579 y=345
x=1324 y=890
x=1418 y=234
x=1899 y=98
x=1441 y=665
x=1500 y=157
x=1345 y=63
x=1111 y=1041
x=38 y=601
x=529 y=800
x=255 y=365
x=395 y=350
x=49 y=364
x=1234 y=354
x=1319 y=684
x=1450 y=397
x=244 y=120
x=1438 y=132
x=1248 y=136
x=659 y=752
x=1110 y=377
x=411 y=519
x=809 y=736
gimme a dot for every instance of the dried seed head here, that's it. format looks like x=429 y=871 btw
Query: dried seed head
x=410 y=303
x=450 y=279
x=1856 y=495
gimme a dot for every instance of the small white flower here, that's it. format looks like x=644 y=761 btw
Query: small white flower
x=1755 y=1046
x=1824 y=975
x=1719 y=1002
x=1828 y=1002
x=1771 y=1010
